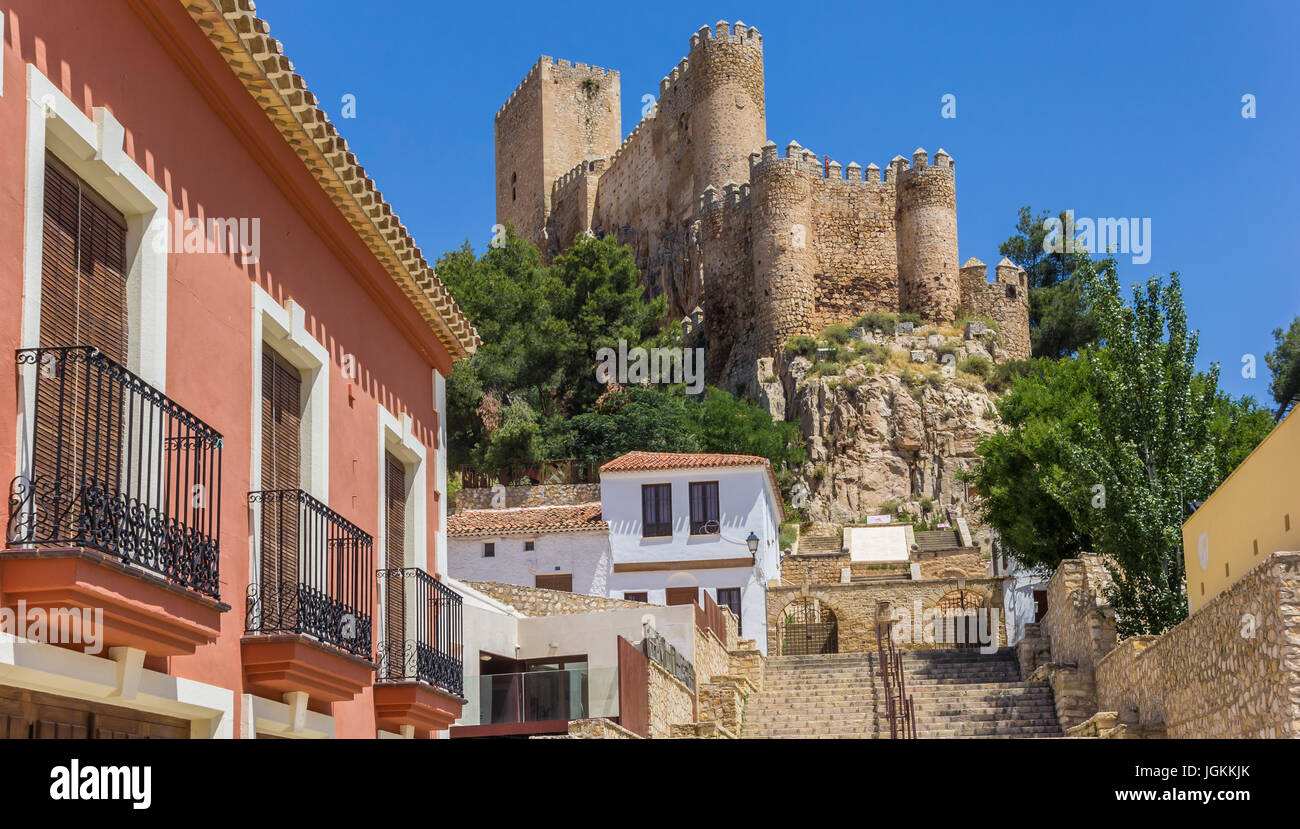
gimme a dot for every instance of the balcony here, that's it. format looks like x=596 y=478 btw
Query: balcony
x=117 y=504
x=308 y=624
x=420 y=677
x=540 y=701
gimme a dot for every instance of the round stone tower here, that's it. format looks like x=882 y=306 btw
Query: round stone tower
x=727 y=120
x=781 y=195
x=926 y=222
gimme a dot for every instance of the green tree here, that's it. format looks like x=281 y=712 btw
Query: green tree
x=541 y=326
x=1102 y=451
x=1150 y=448
x=1284 y=363
x=1060 y=322
x=531 y=391
x=1027 y=460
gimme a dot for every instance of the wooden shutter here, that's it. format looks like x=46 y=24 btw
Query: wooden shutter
x=394 y=560
x=281 y=470
x=555 y=581
x=83 y=303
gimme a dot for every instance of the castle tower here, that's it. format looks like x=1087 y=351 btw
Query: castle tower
x=781 y=194
x=727 y=118
x=1011 y=307
x=927 y=236
x=974 y=284
x=560 y=114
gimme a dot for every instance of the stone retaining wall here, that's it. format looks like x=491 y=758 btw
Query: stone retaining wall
x=537 y=601
x=1230 y=670
x=544 y=495
x=670 y=701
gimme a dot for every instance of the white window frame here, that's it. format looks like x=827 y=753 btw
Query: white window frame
x=284 y=329
x=396 y=438
x=94 y=150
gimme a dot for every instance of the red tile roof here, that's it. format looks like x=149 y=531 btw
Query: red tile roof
x=643 y=461
x=656 y=461
x=553 y=519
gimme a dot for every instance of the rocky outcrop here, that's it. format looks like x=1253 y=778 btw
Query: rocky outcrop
x=877 y=433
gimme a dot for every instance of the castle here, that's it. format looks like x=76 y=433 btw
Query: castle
x=749 y=246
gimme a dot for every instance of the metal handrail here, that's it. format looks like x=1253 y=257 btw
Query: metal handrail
x=423 y=631
x=117 y=466
x=899 y=709
x=314 y=572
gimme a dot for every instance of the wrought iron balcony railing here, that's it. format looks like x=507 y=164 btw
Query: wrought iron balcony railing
x=312 y=572
x=423 y=635
x=113 y=464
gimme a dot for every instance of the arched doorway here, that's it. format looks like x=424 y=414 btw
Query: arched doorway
x=957 y=623
x=808 y=625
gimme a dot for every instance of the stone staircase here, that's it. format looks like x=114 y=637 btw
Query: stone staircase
x=930 y=541
x=820 y=545
x=956 y=693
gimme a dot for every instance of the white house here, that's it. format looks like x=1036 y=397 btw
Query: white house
x=668 y=528
x=680 y=524
x=554 y=547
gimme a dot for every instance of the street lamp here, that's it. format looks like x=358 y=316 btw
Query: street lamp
x=752 y=542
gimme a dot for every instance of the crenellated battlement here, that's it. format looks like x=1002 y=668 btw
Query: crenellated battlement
x=592 y=167
x=546 y=60
x=724 y=32
x=733 y=196
x=920 y=166
x=806 y=161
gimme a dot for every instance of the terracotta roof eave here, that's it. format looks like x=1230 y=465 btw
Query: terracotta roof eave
x=602 y=527
x=258 y=61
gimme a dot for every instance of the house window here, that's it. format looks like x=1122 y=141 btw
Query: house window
x=656 y=510
x=704 y=508
x=489 y=549
x=730 y=597
x=555 y=581
x=528 y=546
x=638 y=596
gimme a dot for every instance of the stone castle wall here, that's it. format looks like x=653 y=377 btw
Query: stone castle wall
x=768 y=247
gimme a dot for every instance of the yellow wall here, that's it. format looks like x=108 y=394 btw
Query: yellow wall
x=1246 y=519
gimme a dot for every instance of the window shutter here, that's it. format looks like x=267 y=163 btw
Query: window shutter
x=281 y=470
x=395 y=559
x=83 y=303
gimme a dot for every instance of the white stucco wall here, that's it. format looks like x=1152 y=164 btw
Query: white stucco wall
x=584 y=555
x=493 y=628
x=746 y=503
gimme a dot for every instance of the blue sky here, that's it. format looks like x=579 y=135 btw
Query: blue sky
x=1112 y=109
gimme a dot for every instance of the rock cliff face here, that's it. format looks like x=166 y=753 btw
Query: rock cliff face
x=884 y=434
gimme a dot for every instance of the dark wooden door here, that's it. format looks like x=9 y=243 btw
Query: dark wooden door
x=682 y=595
x=37 y=715
x=729 y=597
